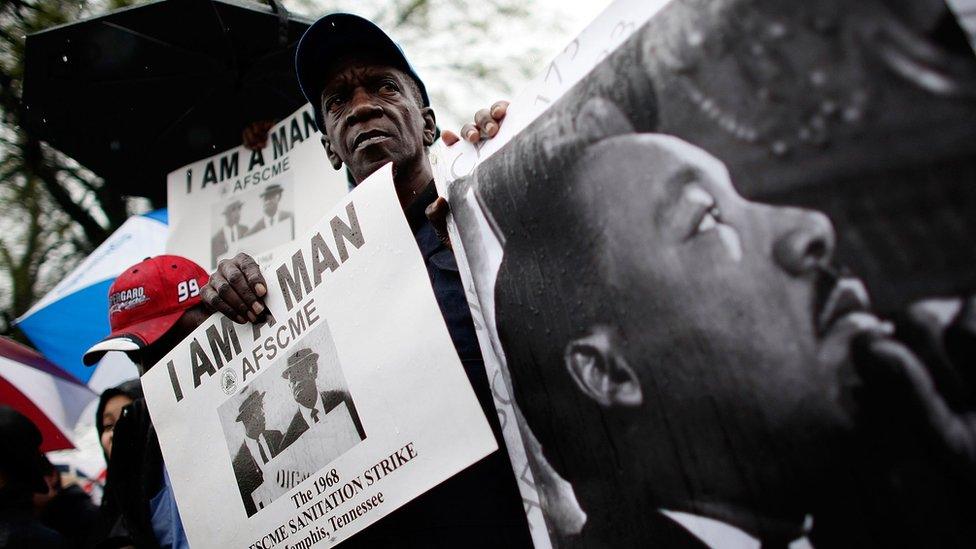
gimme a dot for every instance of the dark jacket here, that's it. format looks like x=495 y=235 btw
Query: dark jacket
x=135 y=472
x=330 y=399
x=20 y=529
x=282 y=216
x=248 y=471
x=219 y=244
x=72 y=514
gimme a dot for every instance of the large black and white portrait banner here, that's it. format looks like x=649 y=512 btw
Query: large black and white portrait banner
x=721 y=258
x=348 y=402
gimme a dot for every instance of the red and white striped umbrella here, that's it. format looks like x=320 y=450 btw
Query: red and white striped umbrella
x=44 y=393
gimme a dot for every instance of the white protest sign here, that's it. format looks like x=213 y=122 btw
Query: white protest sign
x=253 y=201
x=352 y=403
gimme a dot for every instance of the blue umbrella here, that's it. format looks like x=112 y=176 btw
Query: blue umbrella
x=74 y=315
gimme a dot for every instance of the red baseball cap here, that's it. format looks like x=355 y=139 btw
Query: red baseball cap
x=146 y=300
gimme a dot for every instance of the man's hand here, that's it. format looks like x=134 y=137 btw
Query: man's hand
x=255 y=135
x=485 y=126
x=236 y=289
x=437 y=214
x=922 y=383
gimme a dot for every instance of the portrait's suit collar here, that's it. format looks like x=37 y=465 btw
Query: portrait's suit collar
x=229 y=237
x=721 y=535
x=256 y=447
x=307 y=412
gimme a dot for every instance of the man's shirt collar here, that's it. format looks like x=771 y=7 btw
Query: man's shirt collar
x=720 y=535
x=255 y=446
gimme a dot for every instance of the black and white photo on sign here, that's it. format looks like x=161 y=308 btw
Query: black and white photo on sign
x=253 y=221
x=734 y=295
x=293 y=419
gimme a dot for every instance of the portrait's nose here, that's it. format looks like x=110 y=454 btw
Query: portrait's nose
x=362 y=107
x=805 y=240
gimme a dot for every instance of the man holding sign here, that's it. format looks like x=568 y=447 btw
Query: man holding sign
x=372 y=110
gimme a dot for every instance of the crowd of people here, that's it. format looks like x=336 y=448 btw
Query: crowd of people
x=360 y=83
x=619 y=366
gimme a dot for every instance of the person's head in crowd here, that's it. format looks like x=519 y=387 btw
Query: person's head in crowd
x=251 y=414
x=232 y=213
x=271 y=197
x=370 y=105
x=301 y=371
x=153 y=306
x=22 y=465
x=109 y=410
x=52 y=479
x=677 y=312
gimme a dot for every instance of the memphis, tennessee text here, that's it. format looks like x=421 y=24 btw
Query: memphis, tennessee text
x=327 y=494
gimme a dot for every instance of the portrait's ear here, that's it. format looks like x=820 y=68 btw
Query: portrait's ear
x=596 y=364
x=333 y=157
x=430 y=126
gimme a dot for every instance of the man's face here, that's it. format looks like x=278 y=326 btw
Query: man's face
x=271 y=204
x=735 y=327
x=302 y=380
x=372 y=116
x=232 y=216
x=254 y=421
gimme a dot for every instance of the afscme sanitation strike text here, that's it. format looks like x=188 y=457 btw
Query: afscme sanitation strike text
x=328 y=493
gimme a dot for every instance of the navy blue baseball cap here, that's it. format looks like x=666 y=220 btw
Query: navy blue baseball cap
x=329 y=40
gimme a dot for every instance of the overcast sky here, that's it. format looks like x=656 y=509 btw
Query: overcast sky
x=562 y=21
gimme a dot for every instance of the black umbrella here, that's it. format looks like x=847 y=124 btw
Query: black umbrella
x=141 y=91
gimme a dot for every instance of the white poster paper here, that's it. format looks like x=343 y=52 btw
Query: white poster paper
x=351 y=403
x=247 y=201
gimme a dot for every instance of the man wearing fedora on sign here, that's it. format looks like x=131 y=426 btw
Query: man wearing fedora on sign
x=260 y=446
x=272 y=215
x=301 y=373
x=232 y=230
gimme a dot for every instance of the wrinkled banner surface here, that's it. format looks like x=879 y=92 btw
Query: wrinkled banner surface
x=720 y=254
x=253 y=201
x=303 y=430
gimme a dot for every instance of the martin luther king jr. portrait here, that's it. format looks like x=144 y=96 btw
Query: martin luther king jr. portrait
x=697 y=354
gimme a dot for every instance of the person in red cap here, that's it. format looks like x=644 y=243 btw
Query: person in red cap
x=153 y=306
